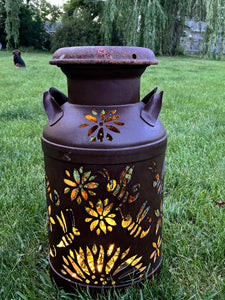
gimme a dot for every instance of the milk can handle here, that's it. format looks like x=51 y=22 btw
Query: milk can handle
x=52 y=101
x=153 y=104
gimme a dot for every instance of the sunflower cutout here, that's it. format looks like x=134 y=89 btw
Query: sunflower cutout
x=156 y=251
x=80 y=184
x=101 y=125
x=101 y=217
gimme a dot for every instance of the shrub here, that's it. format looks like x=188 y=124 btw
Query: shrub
x=81 y=30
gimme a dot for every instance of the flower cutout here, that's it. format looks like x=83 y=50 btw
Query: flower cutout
x=51 y=221
x=100 y=266
x=102 y=124
x=159 y=215
x=156 y=252
x=101 y=219
x=81 y=185
x=53 y=196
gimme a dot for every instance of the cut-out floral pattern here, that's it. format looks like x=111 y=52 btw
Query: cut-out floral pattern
x=101 y=218
x=80 y=184
x=68 y=236
x=157 y=178
x=134 y=227
x=51 y=221
x=53 y=195
x=98 y=266
x=156 y=252
x=119 y=189
x=159 y=215
x=102 y=124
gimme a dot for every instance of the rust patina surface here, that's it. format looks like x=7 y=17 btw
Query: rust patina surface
x=104 y=153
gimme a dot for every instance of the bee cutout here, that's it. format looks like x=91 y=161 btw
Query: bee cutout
x=53 y=195
x=157 y=178
x=68 y=237
x=119 y=190
x=51 y=221
x=134 y=227
x=52 y=251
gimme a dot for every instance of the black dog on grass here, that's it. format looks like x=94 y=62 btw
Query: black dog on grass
x=18 y=62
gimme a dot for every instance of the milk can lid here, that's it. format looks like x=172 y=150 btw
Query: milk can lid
x=104 y=55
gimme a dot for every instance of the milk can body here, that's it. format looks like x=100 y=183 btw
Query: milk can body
x=104 y=152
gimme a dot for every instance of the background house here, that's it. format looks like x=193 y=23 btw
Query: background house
x=192 y=40
x=51 y=27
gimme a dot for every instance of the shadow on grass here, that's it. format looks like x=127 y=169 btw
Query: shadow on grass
x=21 y=113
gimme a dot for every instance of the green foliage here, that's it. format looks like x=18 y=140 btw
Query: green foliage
x=215 y=29
x=79 y=30
x=93 y=7
x=193 y=226
x=2 y=23
x=32 y=32
x=134 y=21
x=23 y=23
x=12 y=22
x=159 y=24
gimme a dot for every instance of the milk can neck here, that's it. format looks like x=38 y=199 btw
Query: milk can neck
x=103 y=85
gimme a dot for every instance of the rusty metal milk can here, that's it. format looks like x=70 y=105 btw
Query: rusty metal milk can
x=104 y=153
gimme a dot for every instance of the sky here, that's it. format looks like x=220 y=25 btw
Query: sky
x=57 y=2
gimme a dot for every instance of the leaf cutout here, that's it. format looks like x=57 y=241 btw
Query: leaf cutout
x=84 y=194
x=76 y=176
x=90 y=260
x=103 y=226
x=85 y=177
x=103 y=114
x=93 y=139
x=91 y=118
x=112 y=112
x=91 y=185
x=92 y=130
x=91 y=212
x=110 y=264
x=74 y=194
x=67 y=173
x=83 y=125
x=100 y=260
x=107 y=209
x=109 y=137
x=94 y=249
x=69 y=182
x=93 y=225
x=66 y=190
x=110 y=249
x=110 y=221
x=119 y=123
x=72 y=274
x=112 y=118
x=124 y=254
x=100 y=135
x=113 y=128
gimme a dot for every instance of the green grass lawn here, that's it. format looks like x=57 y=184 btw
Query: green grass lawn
x=193 y=114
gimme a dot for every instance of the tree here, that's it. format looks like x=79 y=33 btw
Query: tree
x=94 y=7
x=2 y=23
x=159 y=24
x=80 y=30
x=31 y=32
x=134 y=21
x=12 y=22
x=22 y=22
x=215 y=27
x=33 y=15
x=80 y=24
